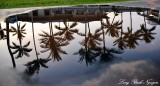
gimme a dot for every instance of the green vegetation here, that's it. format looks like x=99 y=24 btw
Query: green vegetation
x=37 y=3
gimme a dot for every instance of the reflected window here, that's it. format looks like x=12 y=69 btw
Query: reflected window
x=68 y=11
x=35 y=13
x=80 y=12
x=58 y=12
x=91 y=12
x=47 y=12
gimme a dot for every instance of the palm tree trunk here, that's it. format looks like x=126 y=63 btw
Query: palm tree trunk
x=51 y=28
x=89 y=29
x=113 y=19
x=104 y=45
x=131 y=19
x=86 y=45
x=18 y=28
x=122 y=23
x=34 y=37
x=144 y=21
x=85 y=28
x=8 y=43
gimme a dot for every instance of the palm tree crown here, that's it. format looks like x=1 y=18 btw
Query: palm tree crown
x=67 y=31
x=54 y=44
x=21 y=50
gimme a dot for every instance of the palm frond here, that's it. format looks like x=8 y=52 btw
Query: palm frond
x=62 y=51
x=98 y=30
x=57 y=27
x=45 y=50
x=153 y=28
x=14 y=52
x=15 y=44
x=27 y=49
x=64 y=43
x=81 y=34
x=23 y=26
x=73 y=24
x=74 y=30
x=27 y=44
x=14 y=29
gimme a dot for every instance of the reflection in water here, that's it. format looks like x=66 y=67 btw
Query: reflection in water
x=113 y=27
x=130 y=38
x=34 y=66
x=51 y=42
x=107 y=54
x=89 y=50
x=76 y=24
x=19 y=31
x=2 y=35
x=21 y=50
x=67 y=31
x=147 y=33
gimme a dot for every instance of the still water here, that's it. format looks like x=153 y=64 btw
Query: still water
x=95 y=45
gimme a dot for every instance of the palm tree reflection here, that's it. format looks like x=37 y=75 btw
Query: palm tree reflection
x=106 y=54
x=112 y=27
x=91 y=49
x=130 y=39
x=2 y=35
x=93 y=40
x=34 y=66
x=147 y=33
x=53 y=43
x=21 y=50
x=88 y=53
x=20 y=31
x=68 y=30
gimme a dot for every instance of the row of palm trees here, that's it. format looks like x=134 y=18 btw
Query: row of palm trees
x=91 y=49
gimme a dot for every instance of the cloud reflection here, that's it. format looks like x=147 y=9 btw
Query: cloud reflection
x=134 y=70
x=104 y=76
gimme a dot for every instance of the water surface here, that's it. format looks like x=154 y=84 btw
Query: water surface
x=95 y=45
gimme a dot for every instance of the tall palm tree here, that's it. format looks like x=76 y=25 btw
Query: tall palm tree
x=120 y=41
x=85 y=52
x=89 y=50
x=34 y=66
x=68 y=30
x=8 y=43
x=113 y=27
x=130 y=37
x=146 y=33
x=53 y=43
x=93 y=40
x=106 y=54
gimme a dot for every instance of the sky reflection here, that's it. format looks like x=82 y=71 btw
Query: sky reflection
x=100 y=60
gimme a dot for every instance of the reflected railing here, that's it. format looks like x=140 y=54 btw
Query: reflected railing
x=93 y=45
